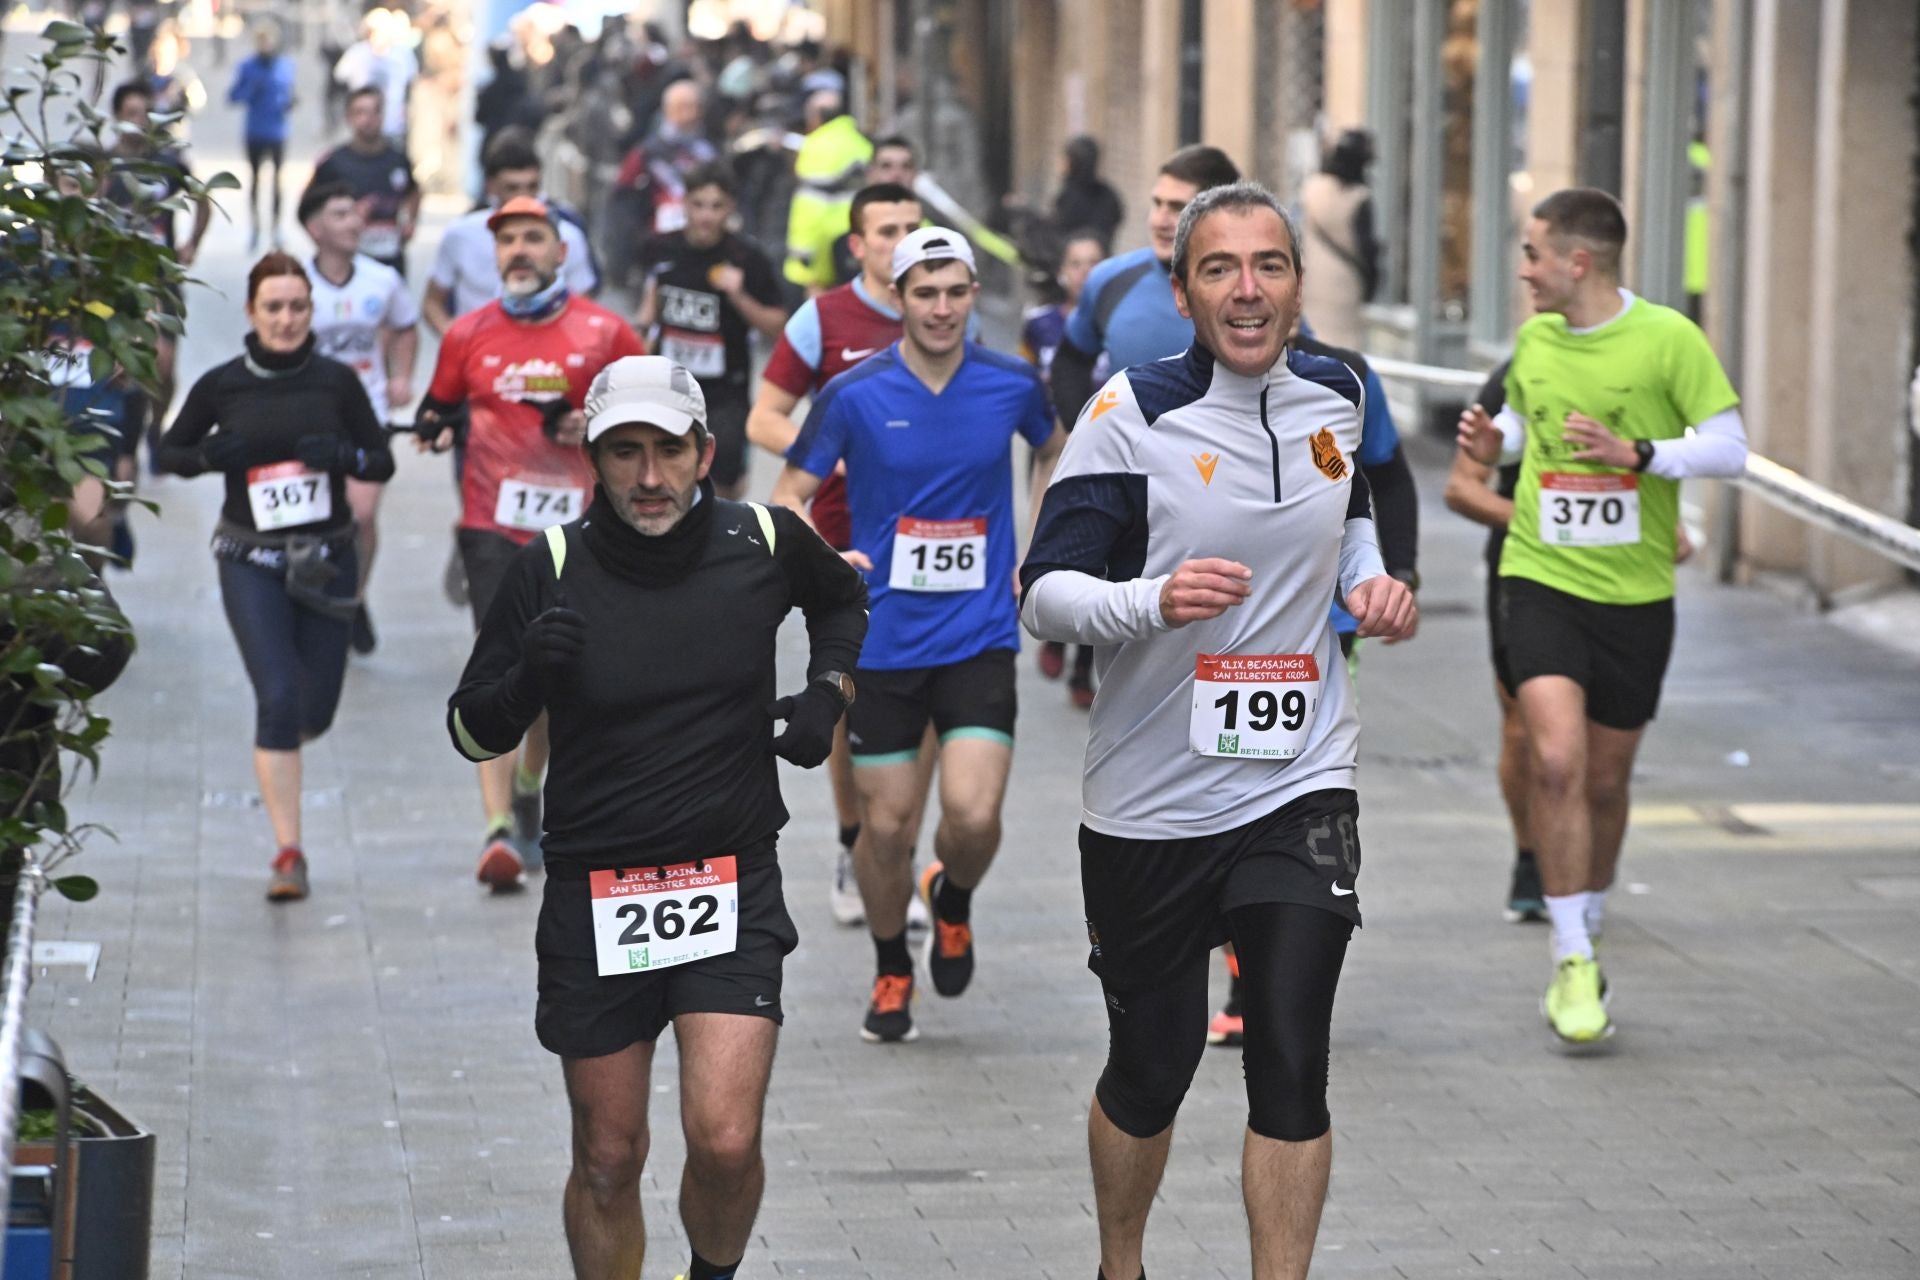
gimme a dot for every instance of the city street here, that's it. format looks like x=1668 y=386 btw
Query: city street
x=350 y=1086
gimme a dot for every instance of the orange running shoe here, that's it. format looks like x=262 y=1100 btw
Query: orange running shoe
x=289 y=880
x=500 y=867
x=949 y=945
x=890 y=1013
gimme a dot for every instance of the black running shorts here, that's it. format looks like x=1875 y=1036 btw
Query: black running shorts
x=727 y=423
x=1616 y=652
x=1153 y=904
x=485 y=556
x=583 y=1015
x=970 y=699
x=1497 y=634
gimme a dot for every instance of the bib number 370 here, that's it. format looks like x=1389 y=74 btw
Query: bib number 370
x=1253 y=706
x=1589 y=510
x=656 y=917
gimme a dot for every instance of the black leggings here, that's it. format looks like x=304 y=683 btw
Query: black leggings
x=1290 y=958
x=259 y=156
x=295 y=657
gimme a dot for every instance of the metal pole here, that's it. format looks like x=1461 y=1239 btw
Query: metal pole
x=1492 y=281
x=13 y=1013
x=926 y=89
x=1728 y=296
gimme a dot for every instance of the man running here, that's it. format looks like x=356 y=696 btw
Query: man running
x=645 y=632
x=379 y=175
x=707 y=288
x=363 y=317
x=827 y=336
x=1602 y=392
x=1205 y=511
x=520 y=367
x=927 y=426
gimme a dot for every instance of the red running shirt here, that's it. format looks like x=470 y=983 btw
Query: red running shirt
x=517 y=481
x=843 y=329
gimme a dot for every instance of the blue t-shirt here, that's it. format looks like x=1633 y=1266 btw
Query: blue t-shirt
x=265 y=86
x=918 y=456
x=1127 y=311
x=1379 y=438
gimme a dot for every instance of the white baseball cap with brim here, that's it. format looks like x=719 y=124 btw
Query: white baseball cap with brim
x=649 y=391
x=931 y=244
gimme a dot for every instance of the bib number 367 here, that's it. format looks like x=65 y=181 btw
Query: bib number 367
x=656 y=917
x=1253 y=706
x=284 y=494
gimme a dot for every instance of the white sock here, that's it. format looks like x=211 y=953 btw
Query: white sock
x=1569 y=916
x=1596 y=912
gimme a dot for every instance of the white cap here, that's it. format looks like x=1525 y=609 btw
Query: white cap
x=931 y=244
x=647 y=390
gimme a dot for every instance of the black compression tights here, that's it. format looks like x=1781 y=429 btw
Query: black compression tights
x=1290 y=958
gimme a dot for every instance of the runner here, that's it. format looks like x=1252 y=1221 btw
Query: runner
x=1603 y=391
x=1041 y=332
x=894 y=162
x=827 y=336
x=519 y=367
x=379 y=174
x=927 y=426
x=1126 y=311
x=707 y=289
x=646 y=633
x=287 y=427
x=264 y=85
x=363 y=317
x=1206 y=509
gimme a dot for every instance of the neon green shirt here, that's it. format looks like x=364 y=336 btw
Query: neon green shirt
x=828 y=168
x=1606 y=535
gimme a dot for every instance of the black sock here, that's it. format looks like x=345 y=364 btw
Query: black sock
x=1100 y=1275
x=848 y=835
x=701 y=1269
x=893 y=955
x=950 y=902
x=1523 y=855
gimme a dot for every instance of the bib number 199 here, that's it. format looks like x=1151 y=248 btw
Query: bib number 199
x=1253 y=706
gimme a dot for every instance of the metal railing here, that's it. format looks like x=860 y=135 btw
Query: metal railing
x=14 y=980
x=1764 y=478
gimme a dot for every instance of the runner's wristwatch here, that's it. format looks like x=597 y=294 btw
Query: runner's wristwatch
x=1643 y=454
x=840 y=684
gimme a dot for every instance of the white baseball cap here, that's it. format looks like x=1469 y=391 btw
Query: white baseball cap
x=931 y=244
x=646 y=390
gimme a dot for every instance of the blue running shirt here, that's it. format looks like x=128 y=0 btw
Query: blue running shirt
x=931 y=460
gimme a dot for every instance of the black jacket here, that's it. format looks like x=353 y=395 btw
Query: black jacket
x=662 y=747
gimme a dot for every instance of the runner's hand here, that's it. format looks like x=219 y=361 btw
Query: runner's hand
x=1478 y=438
x=226 y=451
x=810 y=716
x=327 y=453
x=728 y=279
x=550 y=644
x=859 y=560
x=1202 y=589
x=1598 y=444
x=1384 y=607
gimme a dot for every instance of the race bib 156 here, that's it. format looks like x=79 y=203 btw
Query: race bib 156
x=939 y=555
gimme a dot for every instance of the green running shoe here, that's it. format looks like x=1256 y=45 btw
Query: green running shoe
x=1573 y=1002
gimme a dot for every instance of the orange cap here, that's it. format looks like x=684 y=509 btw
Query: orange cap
x=521 y=207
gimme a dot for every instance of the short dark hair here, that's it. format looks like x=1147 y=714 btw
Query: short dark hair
x=1233 y=197
x=366 y=90
x=901 y=142
x=511 y=148
x=1590 y=214
x=130 y=89
x=316 y=197
x=1078 y=234
x=1203 y=166
x=878 y=193
x=714 y=173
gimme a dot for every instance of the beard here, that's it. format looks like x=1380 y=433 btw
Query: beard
x=525 y=286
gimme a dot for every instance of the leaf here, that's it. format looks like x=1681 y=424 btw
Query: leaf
x=77 y=888
x=60 y=34
x=54 y=517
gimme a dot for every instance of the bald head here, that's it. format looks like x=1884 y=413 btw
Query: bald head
x=680 y=105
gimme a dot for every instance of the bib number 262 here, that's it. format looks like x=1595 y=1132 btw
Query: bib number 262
x=654 y=918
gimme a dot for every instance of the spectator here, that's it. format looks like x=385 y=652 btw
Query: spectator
x=829 y=168
x=1085 y=201
x=1341 y=256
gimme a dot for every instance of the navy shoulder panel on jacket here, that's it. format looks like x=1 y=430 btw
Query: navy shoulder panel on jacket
x=1165 y=385
x=1326 y=371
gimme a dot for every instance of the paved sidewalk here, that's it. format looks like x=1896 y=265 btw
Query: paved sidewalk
x=351 y=1087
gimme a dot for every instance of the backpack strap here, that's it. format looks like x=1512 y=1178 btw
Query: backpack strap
x=557 y=548
x=765 y=517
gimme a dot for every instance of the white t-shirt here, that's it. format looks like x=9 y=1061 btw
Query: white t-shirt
x=465 y=266
x=349 y=321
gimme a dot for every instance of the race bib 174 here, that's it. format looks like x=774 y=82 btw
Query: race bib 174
x=656 y=917
x=1253 y=706
x=535 y=504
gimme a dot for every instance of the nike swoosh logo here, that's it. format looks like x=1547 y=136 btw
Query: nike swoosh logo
x=849 y=354
x=761 y=1002
x=1338 y=892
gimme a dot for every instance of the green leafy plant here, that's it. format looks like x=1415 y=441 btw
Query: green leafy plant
x=74 y=267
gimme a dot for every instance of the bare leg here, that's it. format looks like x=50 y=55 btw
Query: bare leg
x=883 y=855
x=1285 y=1187
x=725 y=1063
x=924 y=765
x=846 y=797
x=1514 y=753
x=1610 y=755
x=973 y=782
x=279 y=775
x=1126 y=1176
x=606 y=1234
x=537 y=747
x=1555 y=711
x=496 y=789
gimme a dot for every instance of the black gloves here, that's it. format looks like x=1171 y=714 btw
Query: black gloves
x=227 y=451
x=810 y=716
x=548 y=647
x=328 y=453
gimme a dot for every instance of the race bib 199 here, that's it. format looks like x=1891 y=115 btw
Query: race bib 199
x=657 y=917
x=1253 y=706
x=284 y=494
x=939 y=555
x=1589 y=510
x=536 y=504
